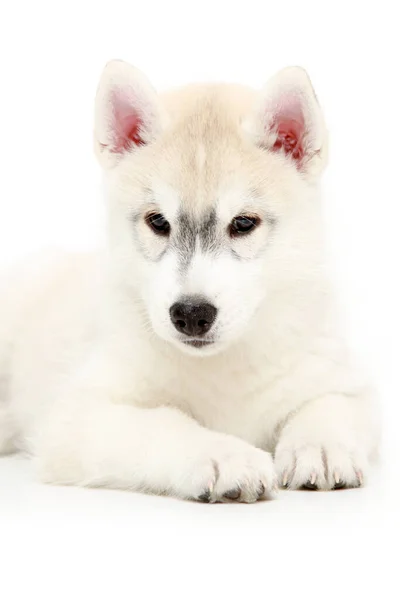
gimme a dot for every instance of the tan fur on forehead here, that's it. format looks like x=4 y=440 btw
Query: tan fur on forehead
x=205 y=138
x=225 y=102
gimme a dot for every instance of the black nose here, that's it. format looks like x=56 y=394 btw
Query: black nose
x=192 y=317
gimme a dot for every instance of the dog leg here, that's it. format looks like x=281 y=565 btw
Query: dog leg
x=90 y=440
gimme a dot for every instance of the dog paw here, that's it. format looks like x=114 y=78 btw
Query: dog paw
x=329 y=466
x=230 y=471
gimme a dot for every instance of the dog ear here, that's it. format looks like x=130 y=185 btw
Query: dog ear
x=127 y=112
x=288 y=120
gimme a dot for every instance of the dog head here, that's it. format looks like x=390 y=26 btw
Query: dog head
x=211 y=196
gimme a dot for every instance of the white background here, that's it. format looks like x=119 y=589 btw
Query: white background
x=59 y=543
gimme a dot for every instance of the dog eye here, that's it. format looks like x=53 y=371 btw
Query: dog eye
x=242 y=225
x=158 y=223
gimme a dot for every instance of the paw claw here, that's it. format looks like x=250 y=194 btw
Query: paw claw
x=310 y=485
x=206 y=497
x=233 y=494
x=285 y=479
x=261 y=490
x=360 y=477
x=339 y=485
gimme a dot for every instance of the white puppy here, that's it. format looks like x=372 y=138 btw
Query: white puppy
x=205 y=338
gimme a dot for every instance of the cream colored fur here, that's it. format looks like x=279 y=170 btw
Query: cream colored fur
x=94 y=381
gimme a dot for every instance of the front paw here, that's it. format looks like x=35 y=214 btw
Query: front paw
x=319 y=466
x=229 y=470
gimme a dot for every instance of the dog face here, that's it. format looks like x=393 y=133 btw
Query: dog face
x=210 y=198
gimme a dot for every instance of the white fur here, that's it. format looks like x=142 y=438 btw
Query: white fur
x=96 y=383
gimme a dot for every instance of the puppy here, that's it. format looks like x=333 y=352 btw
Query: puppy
x=199 y=354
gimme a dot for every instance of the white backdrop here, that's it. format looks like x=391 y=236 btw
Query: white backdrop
x=93 y=544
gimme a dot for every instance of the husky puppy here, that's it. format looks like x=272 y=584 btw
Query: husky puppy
x=199 y=355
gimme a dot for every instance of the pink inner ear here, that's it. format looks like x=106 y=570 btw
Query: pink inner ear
x=289 y=126
x=127 y=122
